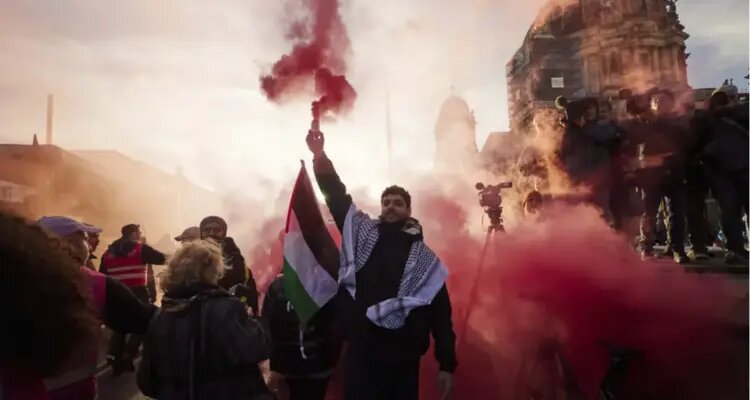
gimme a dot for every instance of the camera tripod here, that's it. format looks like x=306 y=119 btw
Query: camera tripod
x=496 y=225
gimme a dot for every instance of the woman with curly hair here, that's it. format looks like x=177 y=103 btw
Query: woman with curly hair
x=46 y=317
x=202 y=344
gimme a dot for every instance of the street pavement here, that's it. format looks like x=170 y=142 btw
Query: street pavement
x=122 y=387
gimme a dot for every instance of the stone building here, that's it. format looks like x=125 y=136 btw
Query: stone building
x=594 y=48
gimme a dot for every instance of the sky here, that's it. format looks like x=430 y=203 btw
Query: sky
x=174 y=83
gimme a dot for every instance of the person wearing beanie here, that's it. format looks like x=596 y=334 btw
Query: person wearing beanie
x=236 y=271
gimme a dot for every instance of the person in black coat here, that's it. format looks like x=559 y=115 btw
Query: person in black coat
x=722 y=141
x=237 y=273
x=303 y=357
x=202 y=344
x=383 y=355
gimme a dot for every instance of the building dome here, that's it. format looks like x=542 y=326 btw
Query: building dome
x=455 y=136
x=453 y=108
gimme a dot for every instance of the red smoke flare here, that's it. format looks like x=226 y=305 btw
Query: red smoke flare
x=316 y=62
x=571 y=279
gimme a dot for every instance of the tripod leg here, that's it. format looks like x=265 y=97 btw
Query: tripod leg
x=475 y=284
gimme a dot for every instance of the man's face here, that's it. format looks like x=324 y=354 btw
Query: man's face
x=79 y=247
x=136 y=236
x=93 y=239
x=213 y=230
x=591 y=113
x=394 y=208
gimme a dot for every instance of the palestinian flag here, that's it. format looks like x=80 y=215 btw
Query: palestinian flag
x=311 y=259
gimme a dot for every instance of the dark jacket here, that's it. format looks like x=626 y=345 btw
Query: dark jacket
x=237 y=271
x=664 y=142
x=123 y=312
x=587 y=150
x=378 y=280
x=722 y=140
x=202 y=340
x=321 y=341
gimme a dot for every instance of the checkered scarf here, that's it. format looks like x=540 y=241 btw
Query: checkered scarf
x=424 y=274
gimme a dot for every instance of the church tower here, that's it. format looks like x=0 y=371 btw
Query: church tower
x=455 y=137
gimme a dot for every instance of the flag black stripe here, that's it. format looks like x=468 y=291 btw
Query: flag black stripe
x=314 y=231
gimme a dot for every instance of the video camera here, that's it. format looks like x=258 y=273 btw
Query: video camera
x=491 y=200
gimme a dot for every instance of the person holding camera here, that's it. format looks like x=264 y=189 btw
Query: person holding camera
x=663 y=136
x=202 y=343
x=586 y=149
x=722 y=142
x=394 y=292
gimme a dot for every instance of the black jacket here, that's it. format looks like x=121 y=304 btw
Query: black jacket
x=587 y=150
x=123 y=312
x=202 y=339
x=378 y=280
x=321 y=340
x=722 y=140
x=237 y=272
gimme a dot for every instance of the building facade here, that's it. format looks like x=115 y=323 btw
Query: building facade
x=594 y=48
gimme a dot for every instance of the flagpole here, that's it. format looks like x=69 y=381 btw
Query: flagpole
x=389 y=138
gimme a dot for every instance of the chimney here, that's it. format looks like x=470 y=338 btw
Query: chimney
x=50 y=117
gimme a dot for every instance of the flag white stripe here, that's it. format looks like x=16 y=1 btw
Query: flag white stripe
x=318 y=283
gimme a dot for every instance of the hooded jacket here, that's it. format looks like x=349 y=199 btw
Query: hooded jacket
x=122 y=246
x=321 y=341
x=236 y=271
x=203 y=345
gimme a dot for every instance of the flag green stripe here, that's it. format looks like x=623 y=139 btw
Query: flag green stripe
x=297 y=295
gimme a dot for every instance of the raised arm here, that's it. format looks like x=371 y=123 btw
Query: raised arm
x=330 y=184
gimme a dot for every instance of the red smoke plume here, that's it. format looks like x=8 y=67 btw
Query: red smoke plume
x=572 y=280
x=316 y=63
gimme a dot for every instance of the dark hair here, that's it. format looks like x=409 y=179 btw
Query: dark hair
x=397 y=190
x=44 y=297
x=129 y=229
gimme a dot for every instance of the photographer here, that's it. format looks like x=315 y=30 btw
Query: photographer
x=586 y=150
x=662 y=134
x=202 y=344
x=723 y=141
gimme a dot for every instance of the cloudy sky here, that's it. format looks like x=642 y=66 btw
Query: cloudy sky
x=175 y=82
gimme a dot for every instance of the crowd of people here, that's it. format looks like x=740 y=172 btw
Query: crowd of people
x=658 y=156
x=208 y=335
